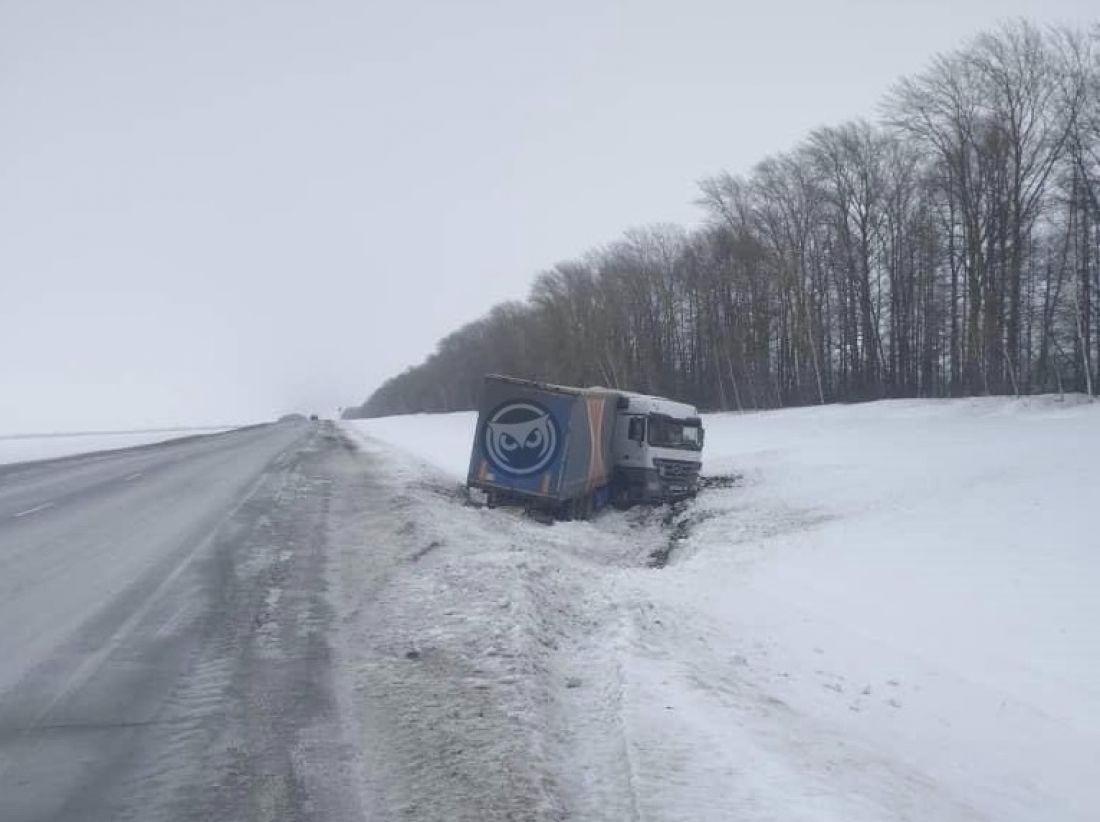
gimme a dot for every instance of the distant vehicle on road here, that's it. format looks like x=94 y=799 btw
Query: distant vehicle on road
x=313 y=418
x=569 y=451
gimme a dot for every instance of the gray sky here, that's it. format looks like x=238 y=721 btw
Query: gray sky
x=217 y=211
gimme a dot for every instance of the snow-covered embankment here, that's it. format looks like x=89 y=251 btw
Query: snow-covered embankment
x=19 y=448
x=891 y=616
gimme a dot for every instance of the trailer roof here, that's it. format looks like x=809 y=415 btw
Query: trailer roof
x=643 y=403
x=559 y=389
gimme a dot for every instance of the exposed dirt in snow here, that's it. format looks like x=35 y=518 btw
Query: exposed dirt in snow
x=680 y=518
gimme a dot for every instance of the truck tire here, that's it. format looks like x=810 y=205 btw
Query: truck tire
x=578 y=508
x=585 y=507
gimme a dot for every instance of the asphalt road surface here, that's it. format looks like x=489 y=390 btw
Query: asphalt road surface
x=163 y=627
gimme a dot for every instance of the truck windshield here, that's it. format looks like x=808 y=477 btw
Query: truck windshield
x=669 y=433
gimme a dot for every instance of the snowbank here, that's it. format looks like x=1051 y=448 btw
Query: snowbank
x=891 y=615
x=18 y=448
x=439 y=440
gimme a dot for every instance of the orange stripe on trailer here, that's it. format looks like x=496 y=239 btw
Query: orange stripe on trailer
x=596 y=470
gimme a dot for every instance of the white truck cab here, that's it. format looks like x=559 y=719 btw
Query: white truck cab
x=657 y=449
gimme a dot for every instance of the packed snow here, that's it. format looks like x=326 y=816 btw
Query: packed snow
x=19 y=448
x=889 y=612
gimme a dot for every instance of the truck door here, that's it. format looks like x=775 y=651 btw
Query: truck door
x=630 y=431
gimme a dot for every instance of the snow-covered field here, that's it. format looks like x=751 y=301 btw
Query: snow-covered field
x=20 y=448
x=892 y=614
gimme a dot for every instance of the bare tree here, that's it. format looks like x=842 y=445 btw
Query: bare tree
x=952 y=248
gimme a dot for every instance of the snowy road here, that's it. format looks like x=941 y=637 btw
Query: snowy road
x=163 y=632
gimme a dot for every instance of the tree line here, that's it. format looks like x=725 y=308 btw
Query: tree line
x=949 y=248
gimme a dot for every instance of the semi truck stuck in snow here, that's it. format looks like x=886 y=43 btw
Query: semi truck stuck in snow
x=569 y=451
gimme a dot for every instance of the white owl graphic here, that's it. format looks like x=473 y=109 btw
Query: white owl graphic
x=521 y=438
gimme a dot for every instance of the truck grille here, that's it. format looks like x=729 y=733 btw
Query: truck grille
x=677 y=469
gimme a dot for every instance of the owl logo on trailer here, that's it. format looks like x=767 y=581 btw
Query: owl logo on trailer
x=520 y=438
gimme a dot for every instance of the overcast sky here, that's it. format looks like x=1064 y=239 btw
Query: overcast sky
x=216 y=211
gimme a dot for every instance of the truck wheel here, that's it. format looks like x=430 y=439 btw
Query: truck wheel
x=567 y=510
x=585 y=506
x=620 y=498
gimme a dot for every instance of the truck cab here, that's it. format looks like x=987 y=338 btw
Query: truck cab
x=657 y=450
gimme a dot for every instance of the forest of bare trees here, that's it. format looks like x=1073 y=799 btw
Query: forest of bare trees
x=950 y=248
